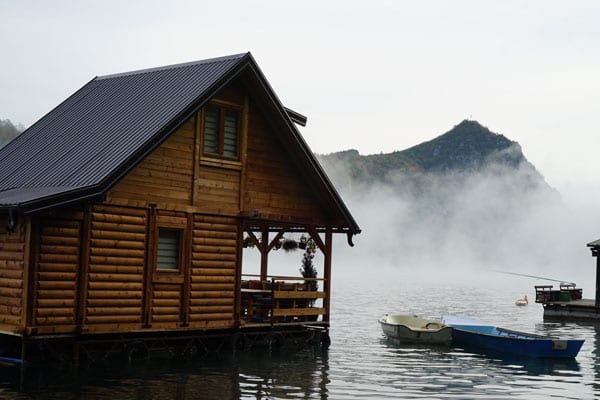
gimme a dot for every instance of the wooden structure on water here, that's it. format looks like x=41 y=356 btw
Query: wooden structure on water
x=567 y=302
x=124 y=210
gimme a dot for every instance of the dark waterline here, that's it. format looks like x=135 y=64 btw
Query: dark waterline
x=361 y=362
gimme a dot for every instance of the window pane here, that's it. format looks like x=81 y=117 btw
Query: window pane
x=230 y=133
x=168 y=249
x=211 y=130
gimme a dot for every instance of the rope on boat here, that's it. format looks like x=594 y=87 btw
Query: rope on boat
x=533 y=276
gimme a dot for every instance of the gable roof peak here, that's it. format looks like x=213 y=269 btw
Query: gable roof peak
x=175 y=66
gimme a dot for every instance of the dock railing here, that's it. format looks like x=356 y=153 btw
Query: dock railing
x=281 y=299
x=567 y=292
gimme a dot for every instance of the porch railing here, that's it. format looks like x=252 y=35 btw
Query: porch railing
x=281 y=299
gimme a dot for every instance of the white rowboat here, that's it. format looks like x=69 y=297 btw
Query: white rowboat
x=413 y=329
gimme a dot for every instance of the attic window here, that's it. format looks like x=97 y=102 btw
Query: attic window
x=221 y=126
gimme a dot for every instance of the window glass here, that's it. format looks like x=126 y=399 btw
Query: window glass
x=221 y=127
x=230 y=133
x=211 y=130
x=169 y=241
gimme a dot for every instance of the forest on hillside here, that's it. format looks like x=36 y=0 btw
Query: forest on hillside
x=8 y=131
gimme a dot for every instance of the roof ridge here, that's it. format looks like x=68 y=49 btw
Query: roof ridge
x=173 y=66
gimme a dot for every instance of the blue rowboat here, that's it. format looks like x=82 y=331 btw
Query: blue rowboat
x=475 y=334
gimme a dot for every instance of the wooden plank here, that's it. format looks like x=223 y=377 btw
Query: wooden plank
x=55 y=303
x=125 y=253
x=111 y=209
x=212 y=302
x=13 y=247
x=214 y=235
x=121 y=261
x=11 y=301
x=203 y=249
x=211 y=309
x=116 y=302
x=103 y=277
x=12 y=264
x=165 y=310
x=60 y=241
x=289 y=294
x=56 y=293
x=112 y=319
x=158 y=302
x=113 y=311
x=288 y=312
x=118 y=244
x=128 y=237
x=57 y=276
x=56 y=267
x=117 y=227
x=211 y=317
x=114 y=294
x=213 y=286
x=229 y=278
x=119 y=286
x=51 y=320
x=55 y=312
x=212 y=294
x=56 y=285
x=11 y=274
x=58 y=258
x=117 y=269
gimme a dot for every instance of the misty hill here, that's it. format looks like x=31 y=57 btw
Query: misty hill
x=8 y=131
x=467 y=148
x=465 y=199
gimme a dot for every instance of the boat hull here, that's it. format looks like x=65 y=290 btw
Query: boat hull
x=517 y=343
x=410 y=329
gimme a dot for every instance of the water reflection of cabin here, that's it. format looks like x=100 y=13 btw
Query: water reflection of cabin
x=125 y=208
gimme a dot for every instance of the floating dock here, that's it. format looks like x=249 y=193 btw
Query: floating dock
x=567 y=303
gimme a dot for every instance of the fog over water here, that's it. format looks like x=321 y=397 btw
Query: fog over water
x=461 y=226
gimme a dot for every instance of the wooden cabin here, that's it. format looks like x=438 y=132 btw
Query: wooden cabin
x=125 y=208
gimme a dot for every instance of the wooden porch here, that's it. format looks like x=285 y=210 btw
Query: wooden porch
x=281 y=300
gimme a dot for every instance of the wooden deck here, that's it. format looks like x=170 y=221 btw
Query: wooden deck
x=281 y=301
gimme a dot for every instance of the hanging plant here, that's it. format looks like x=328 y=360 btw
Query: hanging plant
x=289 y=244
x=248 y=242
x=303 y=242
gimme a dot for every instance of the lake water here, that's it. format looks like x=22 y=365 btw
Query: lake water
x=360 y=363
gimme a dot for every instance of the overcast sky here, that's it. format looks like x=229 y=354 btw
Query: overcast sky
x=376 y=76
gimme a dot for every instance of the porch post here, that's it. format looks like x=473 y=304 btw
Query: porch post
x=264 y=254
x=327 y=274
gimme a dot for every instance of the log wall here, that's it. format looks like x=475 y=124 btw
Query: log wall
x=218 y=190
x=12 y=260
x=273 y=183
x=165 y=177
x=56 y=272
x=116 y=267
x=214 y=259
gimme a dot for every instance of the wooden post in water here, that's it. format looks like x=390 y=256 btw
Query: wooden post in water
x=594 y=247
x=595 y=253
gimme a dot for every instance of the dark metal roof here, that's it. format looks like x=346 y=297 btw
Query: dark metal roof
x=88 y=142
x=92 y=133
